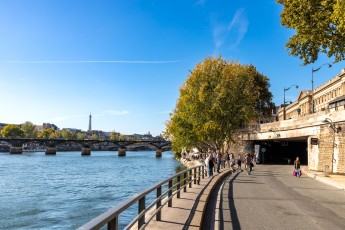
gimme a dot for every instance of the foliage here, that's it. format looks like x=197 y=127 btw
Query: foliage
x=81 y=136
x=12 y=131
x=29 y=130
x=47 y=134
x=94 y=137
x=217 y=98
x=319 y=25
x=114 y=135
x=68 y=135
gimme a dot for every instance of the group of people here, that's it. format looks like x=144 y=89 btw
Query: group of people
x=216 y=159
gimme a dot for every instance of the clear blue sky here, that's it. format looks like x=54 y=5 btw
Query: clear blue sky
x=124 y=61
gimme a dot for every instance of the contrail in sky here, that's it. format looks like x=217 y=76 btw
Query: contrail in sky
x=77 y=62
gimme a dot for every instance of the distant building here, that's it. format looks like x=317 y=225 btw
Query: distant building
x=40 y=128
x=327 y=97
x=146 y=137
x=73 y=130
x=100 y=134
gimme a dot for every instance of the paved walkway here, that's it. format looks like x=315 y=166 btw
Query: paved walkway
x=188 y=211
x=337 y=181
x=271 y=198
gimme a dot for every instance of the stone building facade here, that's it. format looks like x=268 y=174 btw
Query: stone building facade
x=324 y=95
x=322 y=132
x=328 y=153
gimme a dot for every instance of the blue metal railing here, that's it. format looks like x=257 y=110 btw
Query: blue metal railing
x=174 y=187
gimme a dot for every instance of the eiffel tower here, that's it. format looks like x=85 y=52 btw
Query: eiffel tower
x=89 y=122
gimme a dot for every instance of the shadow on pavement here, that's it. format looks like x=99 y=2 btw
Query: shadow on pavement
x=233 y=213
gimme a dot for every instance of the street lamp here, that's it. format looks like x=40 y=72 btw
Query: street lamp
x=312 y=84
x=336 y=129
x=286 y=89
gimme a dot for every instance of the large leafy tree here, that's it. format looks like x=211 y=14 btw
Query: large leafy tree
x=81 y=136
x=218 y=97
x=319 y=25
x=114 y=135
x=47 y=133
x=29 y=129
x=12 y=131
x=68 y=135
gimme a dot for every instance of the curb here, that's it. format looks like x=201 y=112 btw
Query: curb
x=197 y=221
x=326 y=180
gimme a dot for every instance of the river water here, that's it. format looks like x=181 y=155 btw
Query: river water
x=66 y=190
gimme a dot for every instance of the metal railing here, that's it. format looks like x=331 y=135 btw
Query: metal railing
x=174 y=187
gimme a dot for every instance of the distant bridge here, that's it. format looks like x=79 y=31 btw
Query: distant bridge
x=16 y=144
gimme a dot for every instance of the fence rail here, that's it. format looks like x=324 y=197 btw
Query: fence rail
x=174 y=187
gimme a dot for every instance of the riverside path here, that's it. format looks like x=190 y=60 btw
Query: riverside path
x=271 y=198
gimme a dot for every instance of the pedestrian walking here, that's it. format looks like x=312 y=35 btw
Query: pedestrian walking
x=254 y=159
x=239 y=162
x=228 y=160
x=248 y=161
x=210 y=161
x=207 y=165
x=219 y=160
x=232 y=162
x=297 y=165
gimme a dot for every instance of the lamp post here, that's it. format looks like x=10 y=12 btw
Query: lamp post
x=335 y=129
x=312 y=84
x=286 y=89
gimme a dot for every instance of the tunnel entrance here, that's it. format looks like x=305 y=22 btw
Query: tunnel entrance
x=283 y=151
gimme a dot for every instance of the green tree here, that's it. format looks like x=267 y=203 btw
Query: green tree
x=114 y=135
x=68 y=135
x=12 y=131
x=217 y=98
x=94 y=137
x=55 y=134
x=47 y=134
x=81 y=136
x=29 y=129
x=319 y=26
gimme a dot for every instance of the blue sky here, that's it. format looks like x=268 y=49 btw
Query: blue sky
x=124 y=61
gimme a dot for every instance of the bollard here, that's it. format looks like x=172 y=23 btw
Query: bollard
x=326 y=169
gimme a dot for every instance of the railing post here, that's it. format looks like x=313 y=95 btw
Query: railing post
x=141 y=207
x=190 y=178
x=178 y=186
x=170 y=193
x=113 y=224
x=194 y=175
x=199 y=172
x=159 y=203
x=185 y=182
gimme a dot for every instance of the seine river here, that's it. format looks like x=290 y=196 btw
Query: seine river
x=66 y=190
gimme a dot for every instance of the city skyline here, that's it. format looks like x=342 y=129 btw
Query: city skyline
x=124 y=61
